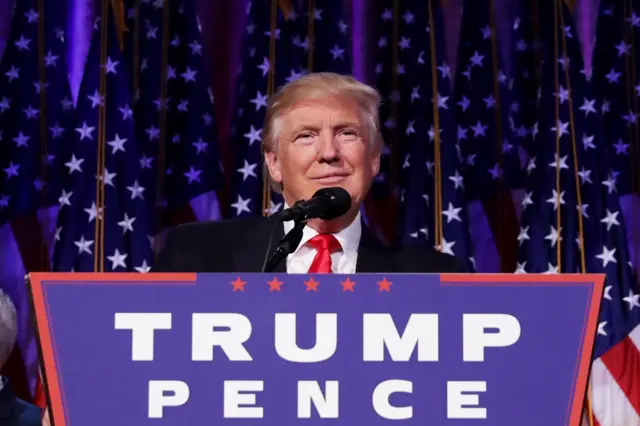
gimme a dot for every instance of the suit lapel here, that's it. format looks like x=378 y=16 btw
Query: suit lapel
x=254 y=246
x=373 y=256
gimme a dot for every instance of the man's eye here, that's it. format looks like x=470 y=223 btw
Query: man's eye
x=304 y=136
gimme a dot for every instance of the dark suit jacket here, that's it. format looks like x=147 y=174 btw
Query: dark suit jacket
x=240 y=245
x=16 y=412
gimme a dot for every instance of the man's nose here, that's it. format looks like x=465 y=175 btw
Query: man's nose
x=328 y=149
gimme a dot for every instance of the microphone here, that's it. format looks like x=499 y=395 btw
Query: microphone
x=326 y=204
x=286 y=246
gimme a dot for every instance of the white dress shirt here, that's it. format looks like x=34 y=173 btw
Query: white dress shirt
x=342 y=262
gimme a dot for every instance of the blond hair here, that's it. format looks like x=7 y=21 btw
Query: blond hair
x=320 y=85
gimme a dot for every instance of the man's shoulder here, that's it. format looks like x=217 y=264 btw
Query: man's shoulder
x=427 y=260
x=26 y=414
x=218 y=228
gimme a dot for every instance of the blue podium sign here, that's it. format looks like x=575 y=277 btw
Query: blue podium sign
x=187 y=349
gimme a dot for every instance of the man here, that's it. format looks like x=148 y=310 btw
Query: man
x=13 y=411
x=321 y=130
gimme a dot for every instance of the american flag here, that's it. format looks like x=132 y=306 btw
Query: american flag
x=484 y=106
x=571 y=221
x=104 y=220
x=35 y=109
x=616 y=398
x=420 y=121
x=296 y=52
x=615 y=79
x=486 y=110
x=173 y=112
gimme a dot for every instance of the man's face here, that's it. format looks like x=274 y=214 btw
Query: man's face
x=323 y=143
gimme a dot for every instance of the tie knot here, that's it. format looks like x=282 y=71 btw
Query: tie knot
x=325 y=242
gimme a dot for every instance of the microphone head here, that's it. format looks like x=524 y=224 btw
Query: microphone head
x=339 y=201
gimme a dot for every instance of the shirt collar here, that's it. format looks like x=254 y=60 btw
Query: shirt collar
x=349 y=237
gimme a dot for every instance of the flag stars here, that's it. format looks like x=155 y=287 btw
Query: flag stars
x=247 y=170
x=196 y=48
x=94 y=212
x=111 y=65
x=118 y=260
x=200 y=145
x=404 y=43
x=136 y=190
x=189 y=75
x=259 y=101
x=610 y=219
x=553 y=237
x=193 y=175
x=96 y=99
x=254 y=135
x=74 y=164
x=21 y=139
x=632 y=299
x=30 y=112
x=117 y=144
x=65 y=198
x=83 y=245
x=476 y=59
x=12 y=170
x=623 y=48
x=337 y=52
x=32 y=16
x=241 y=205
x=265 y=66
x=607 y=256
x=13 y=74
x=555 y=199
x=613 y=76
x=144 y=268
x=126 y=223
x=452 y=213
x=4 y=201
x=486 y=32
x=348 y=285
x=145 y=162
x=621 y=147
x=50 y=59
x=23 y=43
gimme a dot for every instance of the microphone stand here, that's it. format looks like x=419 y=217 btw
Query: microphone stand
x=286 y=246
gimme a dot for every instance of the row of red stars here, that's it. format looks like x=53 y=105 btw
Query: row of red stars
x=311 y=284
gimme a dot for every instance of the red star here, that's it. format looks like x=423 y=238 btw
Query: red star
x=347 y=285
x=274 y=284
x=238 y=284
x=312 y=285
x=385 y=285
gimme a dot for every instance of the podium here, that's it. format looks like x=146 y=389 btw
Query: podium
x=277 y=349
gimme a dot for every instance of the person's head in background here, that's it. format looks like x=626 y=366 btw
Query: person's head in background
x=8 y=327
x=322 y=130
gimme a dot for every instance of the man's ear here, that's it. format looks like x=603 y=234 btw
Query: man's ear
x=273 y=165
x=375 y=162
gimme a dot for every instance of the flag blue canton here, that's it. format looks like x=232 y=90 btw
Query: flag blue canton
x=104 y=217
x=485 y=106
x=571 y=219
x=31 y=150
x=425 y=125
x=292 y=45
x=617 y=88
x=175 y=118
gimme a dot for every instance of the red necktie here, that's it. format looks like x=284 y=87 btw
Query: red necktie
x=325 y=244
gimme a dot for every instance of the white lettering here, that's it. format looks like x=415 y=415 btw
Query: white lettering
x=205 y=337
x=381 y=399
x=142 y=326
x=456 y=399
x=324 y=347
x=379 y=331
x=326 y=404
x=474 y=338
x=233 y=399
x=158 y=399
